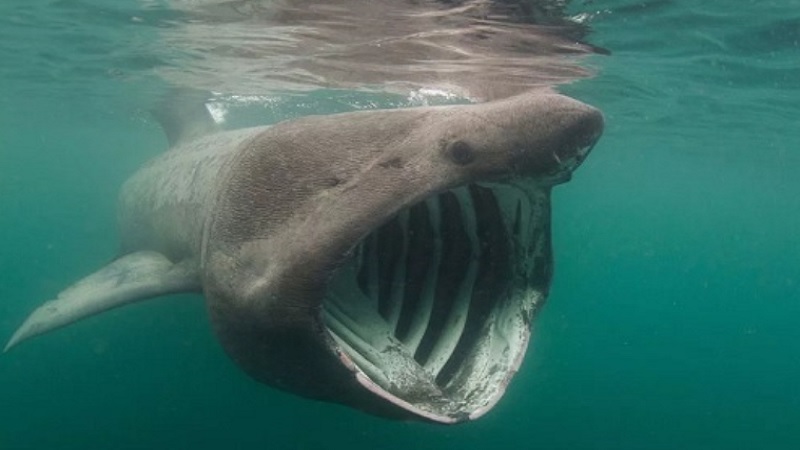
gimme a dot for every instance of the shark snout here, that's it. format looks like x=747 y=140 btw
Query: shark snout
x=573 y=130
x=582 y=130
x=577 y=138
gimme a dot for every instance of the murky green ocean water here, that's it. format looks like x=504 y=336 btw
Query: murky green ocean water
x=674 y=319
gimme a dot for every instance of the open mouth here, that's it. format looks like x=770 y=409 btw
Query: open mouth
x=433 y=310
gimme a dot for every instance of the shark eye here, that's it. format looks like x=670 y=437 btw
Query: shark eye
x=461 y=153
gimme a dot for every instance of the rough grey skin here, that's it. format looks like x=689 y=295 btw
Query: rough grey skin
x=388 y=260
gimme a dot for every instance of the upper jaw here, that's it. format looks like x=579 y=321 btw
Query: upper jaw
x=567 y=163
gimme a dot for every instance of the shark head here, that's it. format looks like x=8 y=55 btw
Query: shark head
x=392 y=261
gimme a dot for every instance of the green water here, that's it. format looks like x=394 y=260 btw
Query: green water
x=674 y=319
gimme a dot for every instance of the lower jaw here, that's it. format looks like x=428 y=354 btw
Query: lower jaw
x=433 y=310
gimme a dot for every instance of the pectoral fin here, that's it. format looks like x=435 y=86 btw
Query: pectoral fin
x=131 y=278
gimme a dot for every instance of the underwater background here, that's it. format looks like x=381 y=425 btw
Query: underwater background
x=674 y=317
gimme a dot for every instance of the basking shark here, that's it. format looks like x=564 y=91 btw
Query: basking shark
x=388 y=260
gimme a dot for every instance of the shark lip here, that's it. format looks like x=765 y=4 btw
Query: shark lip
x=432 y=311
x=567 y=164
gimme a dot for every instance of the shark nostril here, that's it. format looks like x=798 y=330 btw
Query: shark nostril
x=461 y=153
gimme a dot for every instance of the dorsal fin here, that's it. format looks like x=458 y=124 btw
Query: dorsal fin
x=183 y=115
